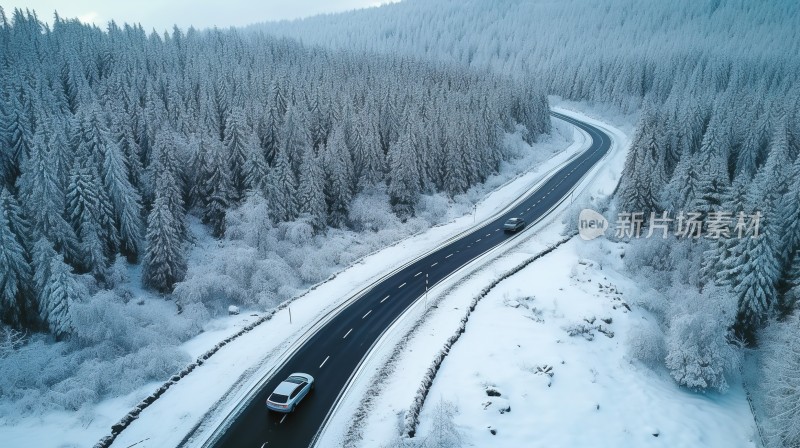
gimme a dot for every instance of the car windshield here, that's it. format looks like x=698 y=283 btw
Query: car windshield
x=278 y=398
x=295 y=379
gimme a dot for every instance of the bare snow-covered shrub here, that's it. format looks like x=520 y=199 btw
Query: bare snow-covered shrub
x=699 y=355
x=313 y=270
x=370 y=210
x=249 y=222
x=433 y=208
x=443 y=431
x=10 y=340
x=298 y=232
x=645 y=342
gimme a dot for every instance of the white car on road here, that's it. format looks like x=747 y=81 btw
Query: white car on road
x=289 y=393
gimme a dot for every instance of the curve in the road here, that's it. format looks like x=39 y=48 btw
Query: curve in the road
x=333 y=353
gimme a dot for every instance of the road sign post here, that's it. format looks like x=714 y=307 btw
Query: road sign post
x=426 y=291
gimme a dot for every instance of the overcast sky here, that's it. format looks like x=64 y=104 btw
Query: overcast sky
x=163 y=14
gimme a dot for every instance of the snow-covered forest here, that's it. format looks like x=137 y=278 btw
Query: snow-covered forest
x=121 y=150
x=116 y=144
x=111 y=138
x=717 y=86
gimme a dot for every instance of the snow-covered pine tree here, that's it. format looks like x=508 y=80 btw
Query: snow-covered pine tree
x=311 y=192
x=339 y=177
x=164 y=262
x=15 y=272
x=238 y=142
x=294 y=137
x=753 y=264
x=42 y=255
x=45 y=201
x=256 y=168
x=214 y=185
x=269 y=131
x=404 y=188
x=370 y=156
x=87 y=205
x=639 y=191
x=61 y=290
x=126 y=201
x=282 y=189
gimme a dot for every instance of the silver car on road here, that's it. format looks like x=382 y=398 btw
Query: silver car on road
x=289 y=393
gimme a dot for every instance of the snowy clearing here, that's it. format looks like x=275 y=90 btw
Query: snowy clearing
x=579 y=390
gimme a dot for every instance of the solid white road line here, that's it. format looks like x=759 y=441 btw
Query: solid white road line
x=434 y=264
x=401 y=286
x=366 y=314
x=348 y=332
x=384 y=299
x=323 y=362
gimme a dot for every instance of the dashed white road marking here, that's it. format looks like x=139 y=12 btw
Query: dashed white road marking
x=384 y=299
x=451 y=254
x=348 y=332
x=418 y=274
x=404 y=284
x=478 y=240
x=366 y=314
x=488 y=234
x=282 y=419
x=434 y=264
x=323 y=362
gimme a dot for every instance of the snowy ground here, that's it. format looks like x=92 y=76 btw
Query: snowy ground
x=516 y=337
x=241 y=364
x=593 y=395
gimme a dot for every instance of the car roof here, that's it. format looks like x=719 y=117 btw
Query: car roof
x=287 y=387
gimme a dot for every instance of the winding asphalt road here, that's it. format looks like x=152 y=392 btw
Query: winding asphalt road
x=335 y=351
